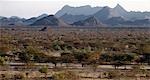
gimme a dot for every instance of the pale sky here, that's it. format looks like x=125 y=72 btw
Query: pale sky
x=30 y=8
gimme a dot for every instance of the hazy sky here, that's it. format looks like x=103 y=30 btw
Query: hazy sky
x=29 y=8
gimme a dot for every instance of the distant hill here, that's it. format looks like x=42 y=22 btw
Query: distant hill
x=4 y=21
x=140 y=22
x=49 y=20
x=16 y=21
x=138 y=15
x=33 y=19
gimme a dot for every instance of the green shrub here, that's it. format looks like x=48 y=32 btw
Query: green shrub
x=44 y=70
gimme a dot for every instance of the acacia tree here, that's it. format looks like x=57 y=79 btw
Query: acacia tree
x=93 y=60
x=67 y=58
x=53 y=60
x=32 y=54
x=128 y=58
x=27 y=56
x=81 y=58
x=106 y=57
x=121 y=59
x=117 y=60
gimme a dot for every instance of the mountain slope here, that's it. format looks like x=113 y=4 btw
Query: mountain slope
x=114 y=21
x=91 y=21
x=103 y=14
x=68 y=18
x=119 y=11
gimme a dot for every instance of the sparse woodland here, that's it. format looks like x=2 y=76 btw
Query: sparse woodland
x=74 y=54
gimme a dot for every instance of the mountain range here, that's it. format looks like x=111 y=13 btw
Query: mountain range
x=84 y=16
x=82 y=10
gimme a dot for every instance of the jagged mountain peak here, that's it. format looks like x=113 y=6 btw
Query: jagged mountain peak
x=119 y=8
x=66 y=7
x=119 y=11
